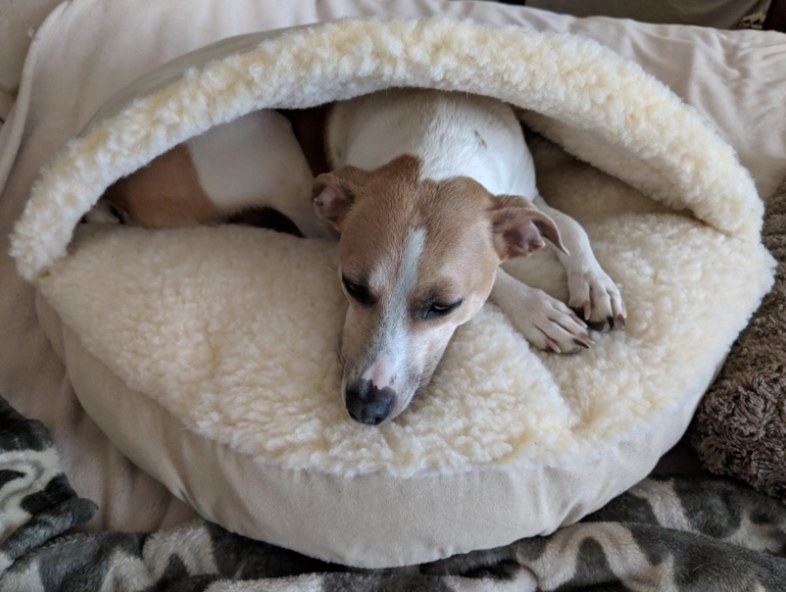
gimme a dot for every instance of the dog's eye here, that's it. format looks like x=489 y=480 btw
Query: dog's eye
x=440 y=309
x=358 y=292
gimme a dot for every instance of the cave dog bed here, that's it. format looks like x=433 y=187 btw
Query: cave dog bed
x=209 y=354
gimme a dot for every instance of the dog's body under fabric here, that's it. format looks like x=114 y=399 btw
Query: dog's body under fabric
x=251 y=163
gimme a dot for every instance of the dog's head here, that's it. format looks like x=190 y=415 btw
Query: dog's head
x=417 y=258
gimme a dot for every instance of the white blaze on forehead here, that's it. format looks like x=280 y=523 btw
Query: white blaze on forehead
x=407 y=276
x=392 y=343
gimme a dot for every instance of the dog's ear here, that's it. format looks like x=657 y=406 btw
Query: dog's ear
x=518 y=227
x=335 y=192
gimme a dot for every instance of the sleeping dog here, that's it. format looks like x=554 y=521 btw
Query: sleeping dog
x=429 y=191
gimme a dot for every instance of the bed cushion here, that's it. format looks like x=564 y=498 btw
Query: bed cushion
x=743 y=108
x=211 y=351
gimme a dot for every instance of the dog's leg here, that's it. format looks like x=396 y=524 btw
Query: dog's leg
x=544 y=321
x=592 y=293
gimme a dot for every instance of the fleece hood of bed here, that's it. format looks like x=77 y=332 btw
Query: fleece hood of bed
x=605 y=109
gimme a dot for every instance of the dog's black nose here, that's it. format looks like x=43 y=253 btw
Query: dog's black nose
x=368 y=404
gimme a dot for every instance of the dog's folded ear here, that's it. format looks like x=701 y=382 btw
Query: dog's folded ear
x=334 y=193
x=518 y=227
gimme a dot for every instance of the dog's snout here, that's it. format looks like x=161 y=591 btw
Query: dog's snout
x=368 y=404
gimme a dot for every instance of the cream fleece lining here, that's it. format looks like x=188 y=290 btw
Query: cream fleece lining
x=571 y=79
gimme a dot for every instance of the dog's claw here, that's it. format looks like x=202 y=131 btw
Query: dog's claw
x=552 y=345
x=619 y=321
x=585 y=344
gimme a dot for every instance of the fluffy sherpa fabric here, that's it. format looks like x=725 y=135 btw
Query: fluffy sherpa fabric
x=212 y=351
x=740 y=425
x=573 y=80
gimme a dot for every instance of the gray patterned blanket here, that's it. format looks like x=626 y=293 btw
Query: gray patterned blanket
x=672 y=534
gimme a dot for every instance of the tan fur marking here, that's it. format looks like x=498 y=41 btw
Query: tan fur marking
x=454 y=213
x=166 y=193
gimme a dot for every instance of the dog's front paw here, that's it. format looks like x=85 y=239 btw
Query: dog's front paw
x=546 y=322
x=597 y=299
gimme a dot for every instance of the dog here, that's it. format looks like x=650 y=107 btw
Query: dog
x=244 y=171
x=430 y=191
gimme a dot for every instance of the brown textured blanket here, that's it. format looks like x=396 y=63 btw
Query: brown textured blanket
x=740 y=426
